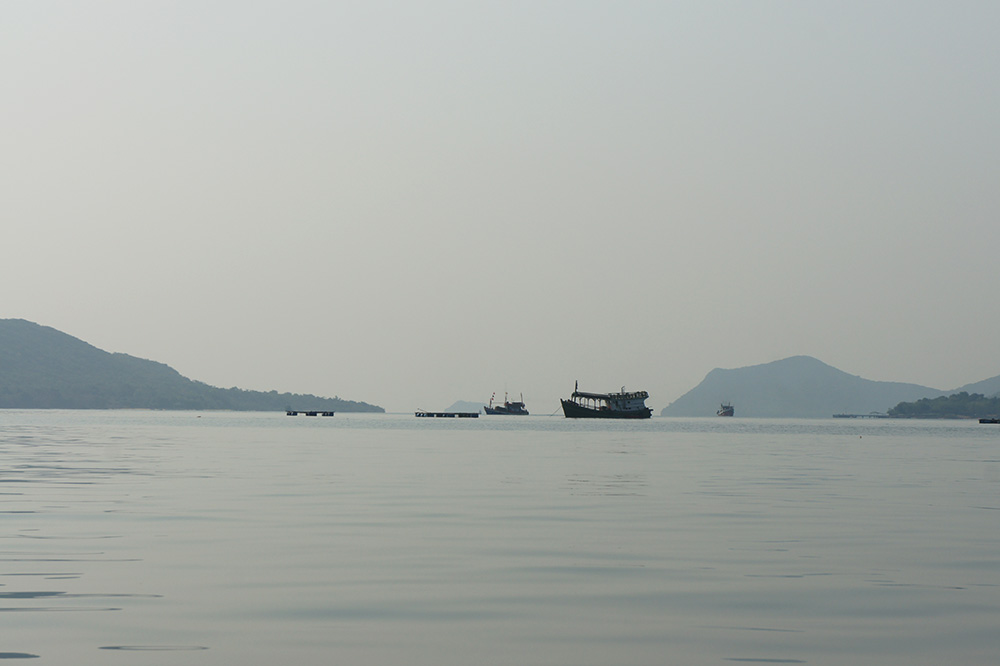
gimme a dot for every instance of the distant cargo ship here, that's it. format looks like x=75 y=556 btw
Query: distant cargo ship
x=725 y=410
x=623 y=405
x=516 y=408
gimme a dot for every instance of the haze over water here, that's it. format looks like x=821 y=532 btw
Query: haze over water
x=410 y=204
x=183 y=538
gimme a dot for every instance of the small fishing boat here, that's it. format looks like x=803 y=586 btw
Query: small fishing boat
x=516 y=408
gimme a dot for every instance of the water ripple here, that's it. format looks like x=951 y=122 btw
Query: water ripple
x=154 y=648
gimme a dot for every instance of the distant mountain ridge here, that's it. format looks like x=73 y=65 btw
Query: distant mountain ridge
x=805 y=387
x=41 y=367
x=988 y=387
x=466 y=406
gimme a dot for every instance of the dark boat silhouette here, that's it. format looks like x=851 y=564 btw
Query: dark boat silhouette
x=623 y=405
x=516 y=408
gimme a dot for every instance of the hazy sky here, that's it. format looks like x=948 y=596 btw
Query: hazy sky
x=411 y=203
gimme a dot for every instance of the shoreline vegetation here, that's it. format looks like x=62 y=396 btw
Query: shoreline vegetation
x=963 y=405
x=43 y=368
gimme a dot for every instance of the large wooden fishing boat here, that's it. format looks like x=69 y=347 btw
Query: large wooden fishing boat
x=623 y=405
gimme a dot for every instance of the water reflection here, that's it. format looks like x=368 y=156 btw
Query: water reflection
x=608 y=485
x=57 y=609
x=390 y=540
x=154 y=648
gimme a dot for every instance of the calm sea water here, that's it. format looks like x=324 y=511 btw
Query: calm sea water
x=182 y=538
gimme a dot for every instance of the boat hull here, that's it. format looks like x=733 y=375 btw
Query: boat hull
x=508 y=411
x=574 y=411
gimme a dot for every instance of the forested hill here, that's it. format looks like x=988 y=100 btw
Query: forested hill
x=800 y=386
x=961 y=405
x=41 y=367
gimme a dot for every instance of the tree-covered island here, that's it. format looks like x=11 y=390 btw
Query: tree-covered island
x=962 y=405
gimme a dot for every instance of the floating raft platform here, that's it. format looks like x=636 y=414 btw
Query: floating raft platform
x=447 y=415
x=296 y=412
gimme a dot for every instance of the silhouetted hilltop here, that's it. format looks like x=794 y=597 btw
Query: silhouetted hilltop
x=466 y=406
x=988 y=387
x=41 y=367
x=800 y=386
